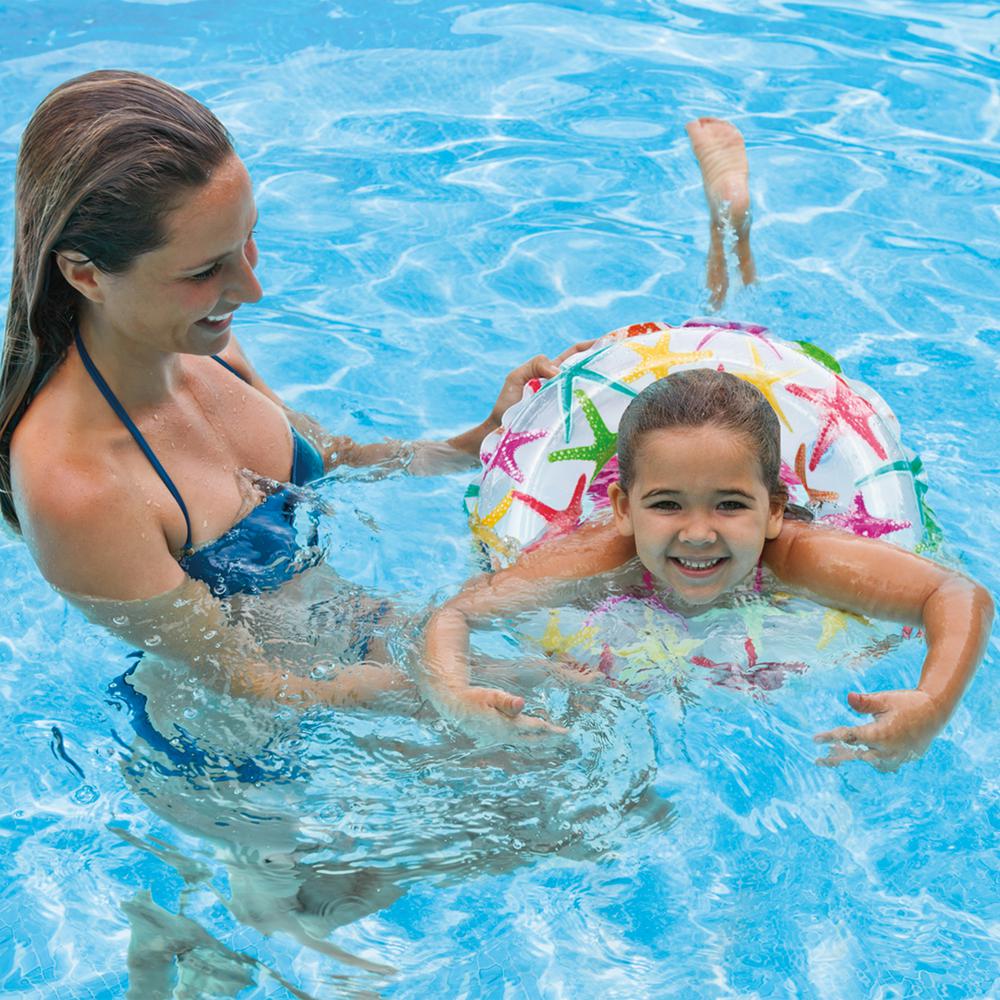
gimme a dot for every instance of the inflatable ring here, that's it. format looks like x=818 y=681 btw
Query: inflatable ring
x=550 y=463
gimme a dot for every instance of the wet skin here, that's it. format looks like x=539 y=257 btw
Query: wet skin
x=698 y=510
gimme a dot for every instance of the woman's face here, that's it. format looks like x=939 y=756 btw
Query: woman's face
x=181 y=297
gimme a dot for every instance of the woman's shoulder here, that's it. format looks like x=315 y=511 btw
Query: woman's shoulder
x=89 y=532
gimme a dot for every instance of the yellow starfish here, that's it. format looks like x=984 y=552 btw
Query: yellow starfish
x=659 y=359
x=763 y=380
x=835 y=621
x=482 y=527
x=661 y=645
x=553 y=641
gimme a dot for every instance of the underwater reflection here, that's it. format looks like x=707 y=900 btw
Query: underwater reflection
x=322 y=818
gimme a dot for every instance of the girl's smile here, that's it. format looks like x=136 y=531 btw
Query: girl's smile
x=698 y=509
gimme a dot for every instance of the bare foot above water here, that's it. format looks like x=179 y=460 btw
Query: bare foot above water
x=722 y=156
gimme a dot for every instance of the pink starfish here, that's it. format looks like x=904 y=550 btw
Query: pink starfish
x=503 y=457
x=858 y=521
x=598 y=491
x=762 y=676
x=844 y=409
x=750 y=328
x=561 y=522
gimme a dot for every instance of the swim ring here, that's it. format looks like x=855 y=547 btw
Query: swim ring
x=550 y=463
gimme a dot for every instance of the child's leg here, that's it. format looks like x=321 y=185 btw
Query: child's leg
x=722 y=157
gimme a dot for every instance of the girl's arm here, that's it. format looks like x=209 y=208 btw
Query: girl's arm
x=421 y=458
x=877 y=579
x=537 y=579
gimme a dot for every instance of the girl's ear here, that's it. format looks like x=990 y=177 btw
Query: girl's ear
x=621 y=510
x=775 y=516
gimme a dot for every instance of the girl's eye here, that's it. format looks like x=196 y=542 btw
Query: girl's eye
x=666 y=505
x=207 y=273
x=732 y=505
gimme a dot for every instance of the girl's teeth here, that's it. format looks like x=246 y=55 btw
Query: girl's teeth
x=216 y=319
x=698 y=564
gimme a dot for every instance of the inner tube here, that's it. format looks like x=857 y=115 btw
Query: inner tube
x=549 y=465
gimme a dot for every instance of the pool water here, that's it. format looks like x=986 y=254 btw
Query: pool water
x=446 y=189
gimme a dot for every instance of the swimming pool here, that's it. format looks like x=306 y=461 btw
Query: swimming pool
x=444 y=190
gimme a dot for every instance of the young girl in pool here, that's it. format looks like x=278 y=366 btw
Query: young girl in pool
x=700 y=507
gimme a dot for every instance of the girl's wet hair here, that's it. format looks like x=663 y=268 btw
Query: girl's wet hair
x=695 y=398
x=105 y=158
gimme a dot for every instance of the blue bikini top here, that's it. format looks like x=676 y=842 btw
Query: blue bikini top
x=261 y=551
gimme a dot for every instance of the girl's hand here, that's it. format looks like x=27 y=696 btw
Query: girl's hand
x=905 y=723
x=495 y=713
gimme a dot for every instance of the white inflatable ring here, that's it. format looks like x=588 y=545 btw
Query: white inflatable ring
x=549 y=465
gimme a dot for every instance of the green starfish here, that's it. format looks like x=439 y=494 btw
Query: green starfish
x=605 y=441
x=933 y=534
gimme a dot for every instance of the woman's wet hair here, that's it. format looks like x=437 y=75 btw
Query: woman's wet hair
x=695 y=398
x=105 y=158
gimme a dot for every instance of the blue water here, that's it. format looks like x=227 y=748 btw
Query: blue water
x=446 y=189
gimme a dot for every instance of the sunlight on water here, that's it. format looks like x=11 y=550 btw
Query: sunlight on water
x=445 y=191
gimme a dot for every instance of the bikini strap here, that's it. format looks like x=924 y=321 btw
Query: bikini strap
x=115 y=405
x=226 y=364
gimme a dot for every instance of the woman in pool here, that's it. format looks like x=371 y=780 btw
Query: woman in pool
x=700 y=506
x=122 y=438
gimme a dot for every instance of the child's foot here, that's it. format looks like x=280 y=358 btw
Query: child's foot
x=722 y=157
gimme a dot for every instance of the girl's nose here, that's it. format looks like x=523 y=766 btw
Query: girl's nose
x=697 y=531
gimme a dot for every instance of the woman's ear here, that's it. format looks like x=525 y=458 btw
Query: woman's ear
x=621 y=510
x=81 y=274
x=775 y=516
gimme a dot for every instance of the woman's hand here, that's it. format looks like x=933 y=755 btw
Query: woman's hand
x=493 y=713
x=905 y=723
x=540 y=366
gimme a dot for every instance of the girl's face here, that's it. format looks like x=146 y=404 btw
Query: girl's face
x=181 y=296
x=698 y=509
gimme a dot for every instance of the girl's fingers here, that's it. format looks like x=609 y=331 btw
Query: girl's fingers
x=867 y=704
x=842 y=734
x=840 y=755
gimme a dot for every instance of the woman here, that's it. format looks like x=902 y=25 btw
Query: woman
x=122 y=440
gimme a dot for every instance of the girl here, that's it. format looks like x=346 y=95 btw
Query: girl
x=701 y=508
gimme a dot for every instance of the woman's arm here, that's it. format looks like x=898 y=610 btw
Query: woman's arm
x=420 y=458
x=90 y=537
x=542 y=578
x=873 y=578
x=188 y=625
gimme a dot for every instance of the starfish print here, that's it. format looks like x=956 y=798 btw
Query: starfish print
x=759 y=675
x=564 y=382
x=843 y=408
x=860 y=522
x=815 y=496
x=763 y=380
x=835 y=621
x=482 y=527
x=915 y=467
x=561 y=522
x=503 y=457
x=659 y=645
x=659 y=359
x=597 y=492
x=605 y=441
x=638 y=329
x=752 y=329
x=554 y=642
